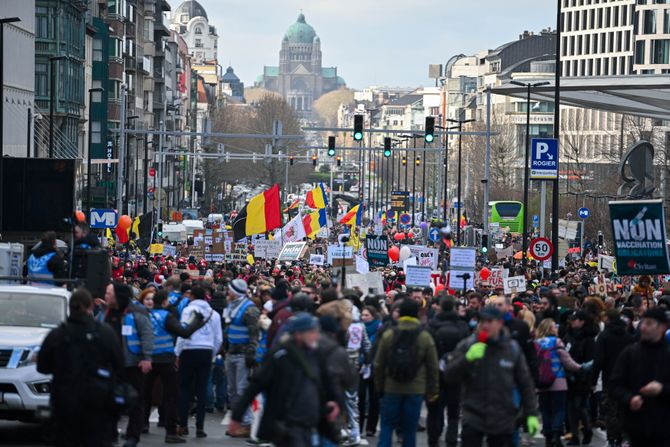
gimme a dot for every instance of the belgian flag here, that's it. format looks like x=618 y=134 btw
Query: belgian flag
x=260 y=215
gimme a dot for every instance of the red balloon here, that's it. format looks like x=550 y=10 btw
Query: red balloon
x=439 y=288
x=410 y=235
x=80 y=216
x=394 y=253
x=399 y=236
x=484 y=274
x=125 y=222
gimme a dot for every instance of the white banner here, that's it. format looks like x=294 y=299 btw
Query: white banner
x=426 y=257
x=462 y=257
x=457 y=279
x=316 y=259
x=418 y=276
x=294 y=231
x=514 y=284
x=267 y=249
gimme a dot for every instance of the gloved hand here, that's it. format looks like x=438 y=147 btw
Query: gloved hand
x=476 y=352
x=587 y=366
x=533 y=424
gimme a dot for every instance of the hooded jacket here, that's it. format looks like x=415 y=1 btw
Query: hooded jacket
x=145 y=332
x=447 y=330
x=581 y=344
x=209 y=336
x=488 y=385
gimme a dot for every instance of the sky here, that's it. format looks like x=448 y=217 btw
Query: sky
x=372 y=42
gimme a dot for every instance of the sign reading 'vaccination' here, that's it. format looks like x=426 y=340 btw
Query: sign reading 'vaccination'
x=638 y=229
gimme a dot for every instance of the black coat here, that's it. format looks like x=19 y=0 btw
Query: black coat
x=281 y=378
x=59 y=354
x=609 y=345
x=581 y=344
x=520 y=332
x=447 y=331
x=639 y=364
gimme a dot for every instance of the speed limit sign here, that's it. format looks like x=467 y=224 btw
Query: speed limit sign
x=541 y=248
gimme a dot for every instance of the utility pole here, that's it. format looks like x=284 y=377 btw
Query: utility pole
x=121 y=153
x=487 y=165
x=557 y=133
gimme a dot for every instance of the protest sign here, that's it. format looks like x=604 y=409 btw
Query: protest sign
x=426 y=257
x=497 y=277
x=461 y=279
x=377 y=248
x=463 y=258
x=292 y=251
x=362 y=265
x=514 y=284
x=316 y=259
x=417 y=276
x=168 y=250
x=267 y=249
x=339 y=252
x=156 y=249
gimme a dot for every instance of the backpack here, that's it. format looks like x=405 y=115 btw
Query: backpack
x=546 y=374
x=402 y=365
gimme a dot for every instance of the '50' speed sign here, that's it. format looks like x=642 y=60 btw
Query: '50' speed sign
x=541 y=248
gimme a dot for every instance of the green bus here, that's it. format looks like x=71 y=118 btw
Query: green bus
x=508 y=213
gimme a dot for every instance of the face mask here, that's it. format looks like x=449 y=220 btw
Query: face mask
x=472 y=324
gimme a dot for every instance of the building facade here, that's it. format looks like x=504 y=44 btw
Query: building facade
x=300 y=77
x=191 y=22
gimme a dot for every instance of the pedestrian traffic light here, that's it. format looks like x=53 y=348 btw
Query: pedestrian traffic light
x=387 y=147
x=404 y=161
x=418 y=160
x=290 y=159
x=601 y=239
x=339 y=161
x=358 y=127
x=430 y=129
x=331 y=146
x=313 y=160
x=159 y=230
x=485 y=244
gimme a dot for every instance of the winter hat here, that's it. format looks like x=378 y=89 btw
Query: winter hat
x=238 y=287
x=302 y=322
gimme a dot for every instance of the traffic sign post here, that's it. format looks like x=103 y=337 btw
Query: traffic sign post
x=544 y=159
x=434 y=234
x=583 y=214
x=104 y=218
x=541 y=248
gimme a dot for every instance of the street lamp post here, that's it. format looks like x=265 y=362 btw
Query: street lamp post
x=458 y=193
x=2 y=103
x=90 y=141
x=526 y=178
x=126 y=173
x=52 y=100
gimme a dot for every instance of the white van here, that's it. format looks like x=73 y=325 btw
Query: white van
x=175 y=232
x=192 y=225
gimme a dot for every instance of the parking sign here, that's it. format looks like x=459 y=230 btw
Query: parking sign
x=544 y=159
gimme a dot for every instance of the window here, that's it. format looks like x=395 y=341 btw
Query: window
x=666 y=21
x=42 y=22
x=198 y=30
x=608 y=14
x=606 y=66
x=649 y=26
x=97 y=50
x=627 y=41
x=41 y=79
x=579 y=51
x=115 y=48
x=600 y=18
x=198 y=43
x=610 y=37
x=587 y=44
x=616 y=16
x=659 y=51
x=614 y=66
x=96 y=131
x=639 y=52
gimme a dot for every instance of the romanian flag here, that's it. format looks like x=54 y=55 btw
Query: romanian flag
x=260 y=215
x=353 y=217
x=314 y=221
x=317 y=197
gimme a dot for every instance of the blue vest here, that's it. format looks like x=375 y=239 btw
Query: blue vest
x=237 y=332
x=182 y=305
x=37 y=267
x=549 y=343
x=133 y=340
x=262 y=347
x=173 y=297
x=163 y=340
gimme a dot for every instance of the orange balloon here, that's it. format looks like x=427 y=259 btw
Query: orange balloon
x=125 y=222
x=80 y=216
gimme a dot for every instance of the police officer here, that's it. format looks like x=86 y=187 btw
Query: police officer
x=76 y=353
x=44 y=262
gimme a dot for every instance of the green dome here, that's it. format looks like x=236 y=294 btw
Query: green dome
x=300 y=32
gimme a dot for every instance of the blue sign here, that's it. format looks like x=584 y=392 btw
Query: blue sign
x=536 y=218
x=544 y=159
x=390 y=214
x=104 y=219
x=434 y=234
x=405 y=218
x=583 y=213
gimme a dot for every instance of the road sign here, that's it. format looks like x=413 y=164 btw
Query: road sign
x=434 y=234
x=541 y=248
x=544 y=159
x=104 y=218
x=583 y=213
x=536 y=218
x=390 y=214
x=152 y=172
x=405 y=219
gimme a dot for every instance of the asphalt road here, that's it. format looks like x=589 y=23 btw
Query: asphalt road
x=18 y=434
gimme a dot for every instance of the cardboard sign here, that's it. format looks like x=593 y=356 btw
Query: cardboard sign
x=267 y=249
x=607 y=263
x=365 y=282
x=426 y=257
x=377 y=249
x=339 y=252
x=461 y=279
x=362 y=265
x=514 y=284
x=169 y=250
x=316 y=259
x=292 y=251
x=418 y=276
x=497 y=277
x=463 y=258
x=156 y=249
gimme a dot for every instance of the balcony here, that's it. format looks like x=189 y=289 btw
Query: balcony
x=115 y=71
x=130 y=63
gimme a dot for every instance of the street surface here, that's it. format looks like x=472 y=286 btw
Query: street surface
x=18 y=434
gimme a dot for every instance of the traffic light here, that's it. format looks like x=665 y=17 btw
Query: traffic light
x=418 y=160
x=358 y=127
x=601 y=239
x=485 y=244
x=404 y=161
x=430 y=129
x=159 y=230
x=290 y=159
x=331 y=146
x=339 y=161
x=313 y=160
x=387 y=147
